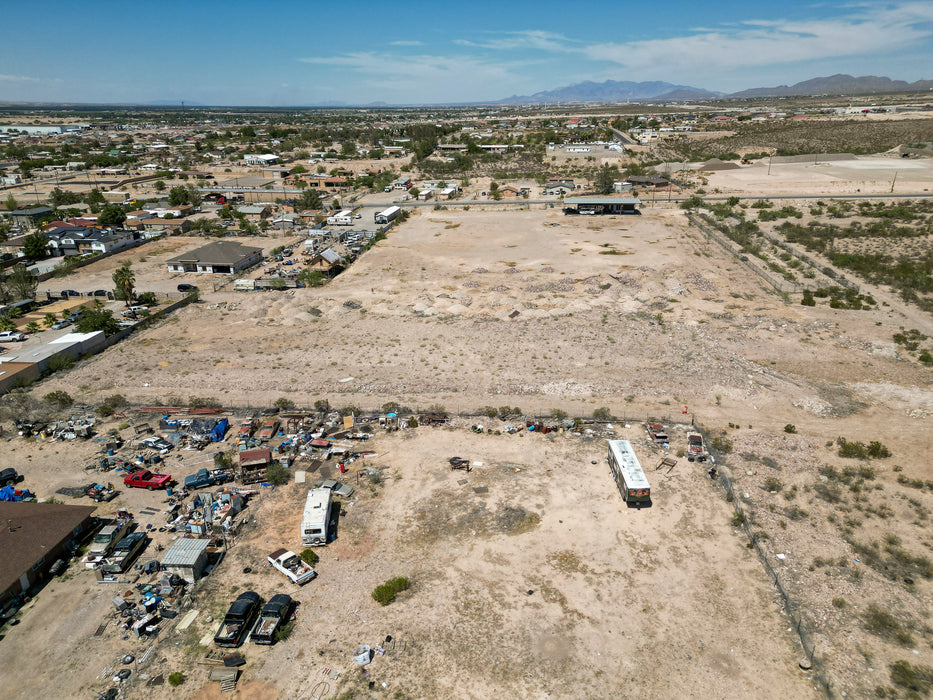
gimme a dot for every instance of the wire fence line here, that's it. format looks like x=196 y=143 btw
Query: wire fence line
x=791 y=608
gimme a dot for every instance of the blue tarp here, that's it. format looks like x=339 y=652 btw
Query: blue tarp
x=7 y=493
x=217 y=434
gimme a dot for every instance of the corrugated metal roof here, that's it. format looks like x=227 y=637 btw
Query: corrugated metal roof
x=185 y=552
x=602 y=200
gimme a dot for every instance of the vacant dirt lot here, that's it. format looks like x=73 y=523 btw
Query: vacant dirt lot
x=535 y=309
x=530 y=578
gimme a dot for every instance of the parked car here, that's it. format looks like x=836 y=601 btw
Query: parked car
x=9 y=476
x=64 y=323
x=11 y=336
x=70 y=293
x=135 y=310
x=156 y=443
x=238 y=620
x=75 y=316
x=125 y=551
x=146 y=479
x=99 y=293
x=187 y=288
x=338 y=488
x=274 y=614
x=205 y=477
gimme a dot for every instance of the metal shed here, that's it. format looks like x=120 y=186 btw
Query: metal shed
x=186 y=558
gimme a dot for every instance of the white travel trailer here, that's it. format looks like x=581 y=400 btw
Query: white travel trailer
x=315 y=523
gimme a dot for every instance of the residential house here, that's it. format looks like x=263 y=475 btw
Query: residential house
x=33 y=537
x=220 y=257
x=27 y=218
x=263 y=160
x=255 y=212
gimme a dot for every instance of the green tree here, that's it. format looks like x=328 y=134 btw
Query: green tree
x=36 y=246
x=111 y=215
x=7 y=324
x=33 y=327
x=11 y=203
x=348 y=149
x=22 y=283
x=125 y=280
x=49 y=319
x=310 y=278
x=97 y=320
x=298 y=170
x=194 y=196
x=60 y=197
x=95 y=200
x=178 y=195
x=159 y=185
x=606 y=178
x=309 y=199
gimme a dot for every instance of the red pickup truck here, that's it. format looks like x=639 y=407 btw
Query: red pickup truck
x=145 y=479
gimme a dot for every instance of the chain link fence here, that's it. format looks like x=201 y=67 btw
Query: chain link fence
x=744 y=520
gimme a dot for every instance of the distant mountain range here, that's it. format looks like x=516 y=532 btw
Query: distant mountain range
x=659 y=91
x=610 y=91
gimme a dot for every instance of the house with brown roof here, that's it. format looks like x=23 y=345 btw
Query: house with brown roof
x=33 y=537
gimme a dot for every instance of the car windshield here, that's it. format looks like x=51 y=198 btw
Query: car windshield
x=102 y=538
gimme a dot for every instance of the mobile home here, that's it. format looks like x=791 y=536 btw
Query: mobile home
x=316 y=519
x=627 y=471
x=387 y=215
x=343 y=217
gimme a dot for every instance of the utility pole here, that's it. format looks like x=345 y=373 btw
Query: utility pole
x=893 y=181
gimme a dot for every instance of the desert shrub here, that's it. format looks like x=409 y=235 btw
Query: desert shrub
x=276 y=474
x=790 y=428
x=284 y=404
x=808 y=299
x=883 y=624
x=203 y=402
x=284 y=632
x=412 y=422
x=175 y=679
x=507 y=412
x=309 y=556
x=488 y=411
x=738 y=519
x=916 y=679
x=103 y=410
x=387 y=592
x=558 y=414
x=147 y=299
x=722 y=444
x=322 y=405
x=58 y=399
x=772 y=484
x=839 y=603
x=351 y=411
x=602 y=413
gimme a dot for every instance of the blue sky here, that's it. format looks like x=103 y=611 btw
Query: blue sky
x=299 y=53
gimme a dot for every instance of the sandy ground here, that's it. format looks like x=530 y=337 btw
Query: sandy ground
x=535 y=309
x=530 y=578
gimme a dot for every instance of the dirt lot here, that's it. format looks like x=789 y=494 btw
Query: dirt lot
x=530 y=578
x=535 y=309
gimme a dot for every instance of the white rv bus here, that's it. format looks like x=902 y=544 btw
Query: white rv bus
x=316 y=519
x=386 y=215
x=627 y=471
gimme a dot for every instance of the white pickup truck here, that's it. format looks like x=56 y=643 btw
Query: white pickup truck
x=293 y=566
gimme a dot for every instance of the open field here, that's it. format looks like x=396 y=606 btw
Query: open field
x=640 y=314
x=545 y=585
